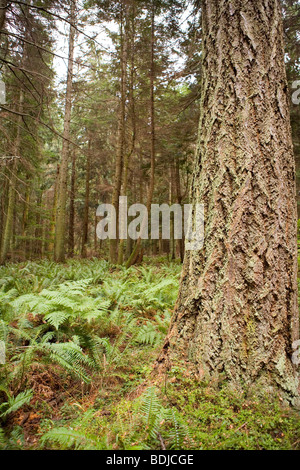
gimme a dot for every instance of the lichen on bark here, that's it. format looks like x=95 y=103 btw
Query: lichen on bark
x=237 y=314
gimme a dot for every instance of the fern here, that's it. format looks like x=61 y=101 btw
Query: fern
x=13 y=441
x=57 y=318
x=69 y=356
x=153 y=332
x=68 y=302
x=152 y=411
x=15 y=403
x=69 y=439
x=77 y=317
x=161 y=421
x=179 y=432
x=3 y=441
x=148 y=334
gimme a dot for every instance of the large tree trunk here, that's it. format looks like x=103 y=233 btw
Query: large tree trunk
x=237 y=313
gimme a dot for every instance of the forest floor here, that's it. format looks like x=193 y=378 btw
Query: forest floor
x=81 y=340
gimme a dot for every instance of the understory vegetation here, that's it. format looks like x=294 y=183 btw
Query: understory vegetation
x=81 y=340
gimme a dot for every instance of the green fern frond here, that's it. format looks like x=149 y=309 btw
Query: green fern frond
x=57 y=318
x=15 y=403
x=71 y=358
x=70 y=439
x=179 y=432
x=151 y=406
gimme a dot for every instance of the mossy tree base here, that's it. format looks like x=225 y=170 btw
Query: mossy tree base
x=237 y=313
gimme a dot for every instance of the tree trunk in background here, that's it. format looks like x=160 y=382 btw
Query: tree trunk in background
x=172 y=247
x=25 y=217
x=96 y=241
x=71 y=241
x=237 y=313
x=3 y=203
x=85 y=228
x=7 y=233
x=137 y=253
x=9 y=219
x=53 y=213
x=39 y=228
x=3 y=6
x=131 y=150
x=113 y=245
x=179 y=201
x=60 y=228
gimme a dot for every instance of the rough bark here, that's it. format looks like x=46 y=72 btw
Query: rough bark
x=237 y=312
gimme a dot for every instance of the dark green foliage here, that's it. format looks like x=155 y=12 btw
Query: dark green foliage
x=77 y=321
x=95 y=332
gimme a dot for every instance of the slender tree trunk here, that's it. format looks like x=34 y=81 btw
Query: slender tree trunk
x=113 y=246
x=25 y=217
x=7 y=234
x=172 y=250
x=236 y=315
x=72 y=207
x=3 y=7
x=3 y=202
x=137 y=253
x=179 y=201
x=60 y=228
x=96 y=243
x=85 y=229
x=8 y=227
x=53 y=212
x=131 y=150
x=38 y=230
